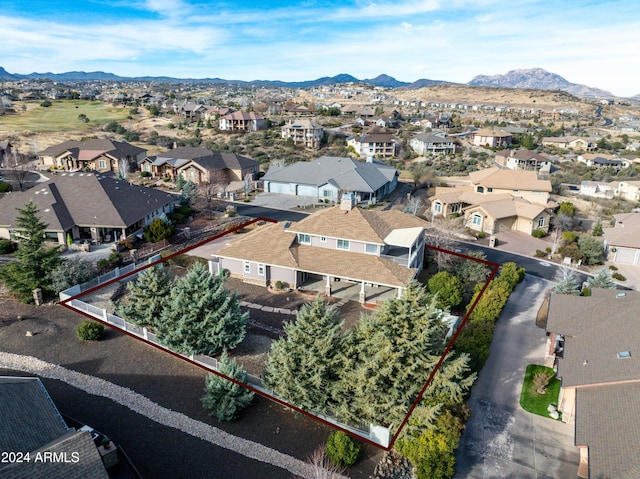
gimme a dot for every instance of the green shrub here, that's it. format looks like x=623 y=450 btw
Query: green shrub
x=613 y=268
x=481 y=234
x=46 y=104
x=5 y=187
x=475 y=340
x=618 y=276
x=448 y=288
x=540 y=253
x=279 y=284
x=177 y=218
x=145 y=174
x=183 y=210
x=6 y=247
x=538 y=233
x=569 y=237
x=342 y=450
x=90 y=331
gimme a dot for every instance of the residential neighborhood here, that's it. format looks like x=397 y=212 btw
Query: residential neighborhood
x=328 y=247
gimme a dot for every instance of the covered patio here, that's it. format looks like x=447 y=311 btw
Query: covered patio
x=347 y=289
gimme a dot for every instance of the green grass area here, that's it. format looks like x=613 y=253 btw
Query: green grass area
x=536 y=403
x=61 y=116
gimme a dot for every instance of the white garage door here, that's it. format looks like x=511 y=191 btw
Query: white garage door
x=282 y=188
x=626 y=256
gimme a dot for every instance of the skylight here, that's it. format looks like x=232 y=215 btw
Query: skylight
x=624 y=354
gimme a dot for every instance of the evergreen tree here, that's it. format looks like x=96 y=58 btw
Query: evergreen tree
x=72 y=272
x=597 y=230
x=147 y=298
x=188 y=193
x=223 y=398
x=388 y=357
x=34 y=261
x=602 y=279
x=303 y=367
x=201 y=317
x=180 y=181
x=567 y=283
x=469 y=271
x=448 y=288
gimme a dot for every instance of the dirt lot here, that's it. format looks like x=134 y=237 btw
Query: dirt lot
x=156 y=450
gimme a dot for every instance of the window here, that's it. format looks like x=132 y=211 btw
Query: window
x=479 y=189
x=541 y=222
x=102 y=164
x=343 y=244
x=476 y=219
x=437 y=207
x=489 y=190
x=247 y=267
x=260 y=269
x=371 y=248
x=323 y=239
x=304 y=239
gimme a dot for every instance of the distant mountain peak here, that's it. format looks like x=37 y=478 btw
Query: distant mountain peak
x=538 y=79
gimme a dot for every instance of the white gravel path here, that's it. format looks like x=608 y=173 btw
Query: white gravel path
x=141 y=405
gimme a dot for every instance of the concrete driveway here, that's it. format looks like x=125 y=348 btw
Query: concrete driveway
x=502 y=440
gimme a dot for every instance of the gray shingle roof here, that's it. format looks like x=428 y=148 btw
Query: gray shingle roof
x=28 y=417
x=607 y=421
x=345 y=173
x=85 y=199
x=596 y=328
x=30 y=422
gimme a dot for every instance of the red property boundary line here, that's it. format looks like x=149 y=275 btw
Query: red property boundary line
x=494 y=266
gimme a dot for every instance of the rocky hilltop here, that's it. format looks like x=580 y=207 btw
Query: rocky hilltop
x=537 y=78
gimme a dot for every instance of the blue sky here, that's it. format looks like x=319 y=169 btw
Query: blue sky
x=596 y=43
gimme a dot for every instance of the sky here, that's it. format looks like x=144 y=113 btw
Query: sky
x=596 y=43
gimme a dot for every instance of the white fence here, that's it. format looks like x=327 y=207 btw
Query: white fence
x=104 y=278
x=374 y=433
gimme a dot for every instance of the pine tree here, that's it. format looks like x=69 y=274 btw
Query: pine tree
x=602 y=279
x=34 y=261
x=180 y=181
x=389 y=356
x=223 y=398
x=302 y=367
x=201 y=317
x=567 y=283
x=147 y=298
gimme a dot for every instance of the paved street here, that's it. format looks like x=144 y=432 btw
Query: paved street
x=502 y=440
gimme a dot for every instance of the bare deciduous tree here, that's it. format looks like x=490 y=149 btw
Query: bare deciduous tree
x=442 y=235
x=209 y=194
x=18 y=171
x=322 y=467
x=415 y=204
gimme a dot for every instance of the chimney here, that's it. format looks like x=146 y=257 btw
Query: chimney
x=347 y=201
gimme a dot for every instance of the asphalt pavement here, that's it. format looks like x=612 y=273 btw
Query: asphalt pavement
x=501 y=439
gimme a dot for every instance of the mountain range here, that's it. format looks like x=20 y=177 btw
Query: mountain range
x=532 y=78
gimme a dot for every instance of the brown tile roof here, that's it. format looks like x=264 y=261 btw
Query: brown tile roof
x=509 y=179
x=117 y=149
x=492 y=132
x=506 y=208
x=596 y=328
x=357 y=224
x=273 y=245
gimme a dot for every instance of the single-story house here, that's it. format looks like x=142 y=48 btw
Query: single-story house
x=335 y=248
x=622 y=242
x=102 y=155
x=594 y=341
x=328 y=177
x=199 y=164
x=36 y=441
x=87 y=206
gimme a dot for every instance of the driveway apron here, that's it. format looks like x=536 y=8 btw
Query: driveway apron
x=501 y=439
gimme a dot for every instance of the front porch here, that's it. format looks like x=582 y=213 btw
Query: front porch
x=347 y=289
